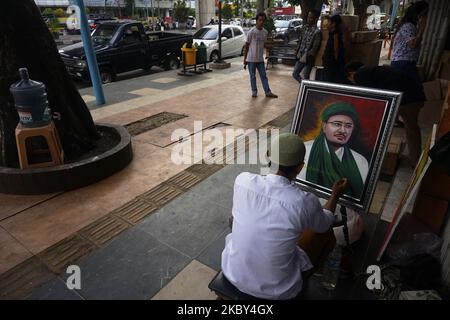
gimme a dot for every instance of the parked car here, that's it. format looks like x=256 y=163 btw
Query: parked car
x=233 y=40
x=94 y=20
x=122 y=46
x=285 y=17
x=235 y=22
x=288 y=30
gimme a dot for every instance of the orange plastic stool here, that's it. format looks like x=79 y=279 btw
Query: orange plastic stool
x=50 y=134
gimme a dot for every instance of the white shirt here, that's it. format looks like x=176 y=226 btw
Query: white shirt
x=256 y=39
x=261 y=256
x=360 y=160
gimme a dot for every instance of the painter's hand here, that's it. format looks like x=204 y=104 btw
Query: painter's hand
x=340 y=186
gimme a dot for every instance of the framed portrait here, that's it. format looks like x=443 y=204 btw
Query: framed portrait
x=346 y=130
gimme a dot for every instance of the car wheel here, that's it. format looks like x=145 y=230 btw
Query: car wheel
x=172 y=63
x=243 y=50
x=107 y=75
x=214 y=56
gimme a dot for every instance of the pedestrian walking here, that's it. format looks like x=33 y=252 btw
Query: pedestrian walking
x=308 y=46
x=254 y=56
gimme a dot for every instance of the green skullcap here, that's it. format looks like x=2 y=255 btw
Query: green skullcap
x=340 y=108
x=287 y=150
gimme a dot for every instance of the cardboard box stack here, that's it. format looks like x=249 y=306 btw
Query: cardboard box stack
x=392 y=156
x=364 y=36
x=366 y=47
x=351 y=22
x=435 y=92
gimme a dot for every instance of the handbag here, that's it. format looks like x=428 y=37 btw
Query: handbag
x=440 y=153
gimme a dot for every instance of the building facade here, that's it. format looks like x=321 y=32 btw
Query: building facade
x=159 y=7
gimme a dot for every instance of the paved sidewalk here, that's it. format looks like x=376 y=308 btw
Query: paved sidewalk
x=41 y=235
x=175 y=252
x=155 y=230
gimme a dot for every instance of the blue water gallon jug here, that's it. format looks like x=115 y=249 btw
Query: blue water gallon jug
x=30 y=100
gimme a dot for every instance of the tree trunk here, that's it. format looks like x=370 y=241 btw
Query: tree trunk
x=307 y=5
x=263 y=5
x=25 y=41
x=260 y=6
x=361 y=12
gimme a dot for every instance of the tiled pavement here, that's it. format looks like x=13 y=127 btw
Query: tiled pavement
x=130 y=241
x=43 y=234
x=176 y=251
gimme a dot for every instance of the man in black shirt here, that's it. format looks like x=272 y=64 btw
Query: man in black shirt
x=388 y=78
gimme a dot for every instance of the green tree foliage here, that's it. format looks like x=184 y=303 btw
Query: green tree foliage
x=191 y=12
x=237 y=7
x=47 y=12
x=50 y=18
x=249 y=4
x=60 y=13
x=227 y=13
x=180 y=11
x=269 y=25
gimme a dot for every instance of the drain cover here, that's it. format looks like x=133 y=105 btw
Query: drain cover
x=153 y=122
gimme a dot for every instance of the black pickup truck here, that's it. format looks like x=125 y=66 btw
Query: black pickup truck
x=123 y=46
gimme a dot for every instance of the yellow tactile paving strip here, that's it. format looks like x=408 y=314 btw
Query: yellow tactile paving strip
x=39 y=232
x=67 y=251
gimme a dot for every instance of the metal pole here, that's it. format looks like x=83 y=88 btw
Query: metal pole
x=152 y=11
x=395 y=4
x=90 y=55
x=242 y=12
x=200 y=22
x=220 y=31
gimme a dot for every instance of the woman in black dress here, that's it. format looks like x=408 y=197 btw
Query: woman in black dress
x=333 y=56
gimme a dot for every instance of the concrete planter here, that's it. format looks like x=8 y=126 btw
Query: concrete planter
x=72 y=175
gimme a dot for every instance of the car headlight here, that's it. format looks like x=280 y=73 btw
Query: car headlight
x=81 y=63
x=61 y=51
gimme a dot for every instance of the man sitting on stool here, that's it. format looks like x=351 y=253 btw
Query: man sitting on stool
x=279 y=231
